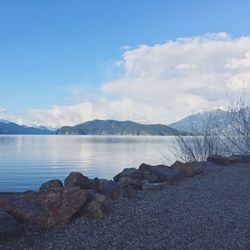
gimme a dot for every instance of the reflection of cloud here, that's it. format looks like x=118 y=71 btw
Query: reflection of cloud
x=163 y=81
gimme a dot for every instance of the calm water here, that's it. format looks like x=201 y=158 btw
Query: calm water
x=28 y=161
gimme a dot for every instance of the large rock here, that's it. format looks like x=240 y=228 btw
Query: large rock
x=234 y=158
x=46 y=209
x=51 y=185
x=76 y=179
x=218 y=159
x=163 y=173
x=151 y=178
x=128 y=172
x=239 y=158
x=9 y=227
x=187 y=169
x=95 y=184
x=94 y=210
x=113 y=190
x=126 y=181
x=94 y=196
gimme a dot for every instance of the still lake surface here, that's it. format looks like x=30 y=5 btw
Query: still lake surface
x=28 y=161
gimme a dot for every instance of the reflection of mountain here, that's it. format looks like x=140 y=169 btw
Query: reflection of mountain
x=112 y=127
x=7 y=127
x=199 y=122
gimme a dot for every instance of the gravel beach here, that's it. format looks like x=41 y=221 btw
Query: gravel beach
x=207 y=211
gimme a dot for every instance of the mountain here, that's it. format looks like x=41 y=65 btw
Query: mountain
x=112 y=127
x=203 y=121
x=7 y=128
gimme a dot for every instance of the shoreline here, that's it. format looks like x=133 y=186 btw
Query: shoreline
x=184 y=212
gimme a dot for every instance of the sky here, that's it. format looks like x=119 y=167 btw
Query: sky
x=151 y=61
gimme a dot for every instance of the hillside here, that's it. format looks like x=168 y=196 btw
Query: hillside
x=7 y=128
x=200 y=122
x=112 y=127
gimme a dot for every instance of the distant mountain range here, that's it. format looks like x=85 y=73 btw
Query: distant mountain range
x=8 y=128
x=203 y=121
x=112 y=127
x=199 y=122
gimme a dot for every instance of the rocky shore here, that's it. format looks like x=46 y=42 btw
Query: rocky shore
x=184 y=206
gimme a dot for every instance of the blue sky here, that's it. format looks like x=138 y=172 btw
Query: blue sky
x=62 y=52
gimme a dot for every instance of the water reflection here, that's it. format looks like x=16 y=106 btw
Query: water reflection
x=27 y=161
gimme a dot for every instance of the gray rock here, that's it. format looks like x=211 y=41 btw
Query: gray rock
x=9 y=227
x=76 y=179
x=218 y=159
x=112 y=190
x=239 y=158
x=162 y=172
x=165 y=173
x=95 y=184
x=126 y=181
x=51 y=185
x=188 y=169
x=94 y=196
x=151 y=178
x=128 y=172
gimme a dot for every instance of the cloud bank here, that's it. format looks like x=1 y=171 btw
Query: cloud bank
x=164 y=82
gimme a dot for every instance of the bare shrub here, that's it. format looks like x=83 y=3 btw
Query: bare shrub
x=237 y=134
x=198 y=145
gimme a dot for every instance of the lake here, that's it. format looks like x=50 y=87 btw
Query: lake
x=28 y=161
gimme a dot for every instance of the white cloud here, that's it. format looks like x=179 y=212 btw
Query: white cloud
x=164 y=82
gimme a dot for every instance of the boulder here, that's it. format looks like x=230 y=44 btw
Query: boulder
x=234 y=158
x=188 y=169
x=125 y=181
x=94 y=196
x=164 y=173
x=113 y=190
x=9 y=227
x=51 y=185
x=76 y=179
x=154 y=186
x=158 y=173
x=239 y=158
x=103 y=183
x=46 y=209
x=145 y=168
x=95 y=184
x=94 y=210
x=218 y=159
x=151 y=178
x=128 y=172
